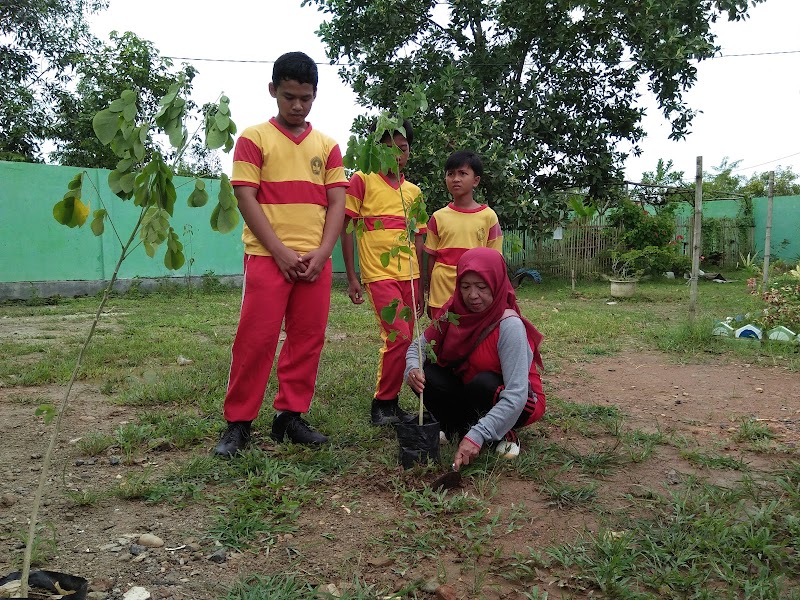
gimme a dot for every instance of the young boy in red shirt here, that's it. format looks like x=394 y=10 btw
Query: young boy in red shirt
x=461 y=225
x=290 y=184
x=371 y=198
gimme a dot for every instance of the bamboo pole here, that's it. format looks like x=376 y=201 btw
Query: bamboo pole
x=696 y=234
x=768 y=236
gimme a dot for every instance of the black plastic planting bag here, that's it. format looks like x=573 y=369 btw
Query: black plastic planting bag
x=418 y=443
x=74 y=587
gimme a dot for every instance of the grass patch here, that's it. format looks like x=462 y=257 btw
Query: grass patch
x=681 y=540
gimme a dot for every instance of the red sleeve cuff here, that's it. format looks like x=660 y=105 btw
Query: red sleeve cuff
x=472 y=441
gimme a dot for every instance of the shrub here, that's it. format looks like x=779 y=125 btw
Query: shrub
x=782 y=297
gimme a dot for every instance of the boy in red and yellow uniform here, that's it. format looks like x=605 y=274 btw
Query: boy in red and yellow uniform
x=371 y=198
x=290 y=184
x=459 y=226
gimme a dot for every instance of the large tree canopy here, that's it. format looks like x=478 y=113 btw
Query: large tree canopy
x=546 y=90
x=127 y=62
x=39 y=41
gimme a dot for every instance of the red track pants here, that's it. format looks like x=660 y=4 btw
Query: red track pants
x=267 y=301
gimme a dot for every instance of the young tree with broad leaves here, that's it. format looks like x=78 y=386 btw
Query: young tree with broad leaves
x=127 y=62
x=546 y=90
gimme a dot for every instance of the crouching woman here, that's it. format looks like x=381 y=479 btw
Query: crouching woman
x=484 y=383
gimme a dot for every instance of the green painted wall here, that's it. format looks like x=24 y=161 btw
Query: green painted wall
x=34 y=247
x=785 y=242
x=785 y=236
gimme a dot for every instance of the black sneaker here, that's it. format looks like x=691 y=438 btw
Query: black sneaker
x=386 y=412
x=291 y=425
x=234 y=440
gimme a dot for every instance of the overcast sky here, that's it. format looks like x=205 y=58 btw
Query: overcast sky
x=750 y=104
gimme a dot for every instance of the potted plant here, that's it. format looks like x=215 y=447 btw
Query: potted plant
x=625 y=272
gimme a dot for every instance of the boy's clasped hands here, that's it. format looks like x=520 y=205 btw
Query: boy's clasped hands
x=296 y=266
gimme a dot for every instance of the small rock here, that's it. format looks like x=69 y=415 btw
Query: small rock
x=685 y=393
x=8 y=500
x=36 y=456
x=101 y=585
x=219 y=557
x=760 y=390
x=136 y=593
x=137 y=549
x=328 y=590
x=445 y=592
x=380 y=561
x=150 y=540
x=183 y=361
x=430 y=586
x=79 y=463
x=114 y=460
x=96 y=596
x=69 y=516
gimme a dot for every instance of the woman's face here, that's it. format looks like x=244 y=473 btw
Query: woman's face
x=475 y=292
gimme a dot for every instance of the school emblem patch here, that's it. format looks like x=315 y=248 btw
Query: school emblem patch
x=481 y=234
x=316 y=165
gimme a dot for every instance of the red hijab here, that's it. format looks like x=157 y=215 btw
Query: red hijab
x=454 y=343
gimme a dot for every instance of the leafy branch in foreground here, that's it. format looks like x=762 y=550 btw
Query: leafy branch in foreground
x=151 y=188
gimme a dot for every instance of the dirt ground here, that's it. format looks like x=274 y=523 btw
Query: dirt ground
x=701 y=402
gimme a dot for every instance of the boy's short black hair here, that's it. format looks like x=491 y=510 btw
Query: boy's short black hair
x=461 y=158
x=296 y=66
x=409 y=135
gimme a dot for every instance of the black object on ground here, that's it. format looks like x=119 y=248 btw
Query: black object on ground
x=51 y=581
x=418 y=443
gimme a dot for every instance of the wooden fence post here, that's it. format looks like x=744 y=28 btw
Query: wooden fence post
x=768 y=236
x=696 y=245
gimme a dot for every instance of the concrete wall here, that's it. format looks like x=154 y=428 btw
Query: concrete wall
x=39 y=255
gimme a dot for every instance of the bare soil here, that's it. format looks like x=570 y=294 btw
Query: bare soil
x=703 y=403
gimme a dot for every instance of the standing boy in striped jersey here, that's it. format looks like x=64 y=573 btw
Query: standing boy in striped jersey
x=376 y=198
x=459 y=226
x=290 y=184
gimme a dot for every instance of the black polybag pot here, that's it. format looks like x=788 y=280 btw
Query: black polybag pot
x=46 y=581
x=418 y=443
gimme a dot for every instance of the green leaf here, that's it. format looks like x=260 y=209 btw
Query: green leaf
x=48 y=411
x=222 y=121
x=197 y=198
x=406 y=250
x=121 y=183
x=129 y=113
x=393 y=335
x=389 y=313
x=128 y=96
x=224 y=220
x=76 y=182
x=117 y=106
x=173 y=257
x=177 y=136
x=226 y=197
x=106 y=125
x=70 y=212
x=453 y=318
x=378 y=225
x=406 y=314
x=98 y=222
x=385 y=259
x=215 y=138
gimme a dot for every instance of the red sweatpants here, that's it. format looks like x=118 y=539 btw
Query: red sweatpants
x=392 y=361
x=267 y=301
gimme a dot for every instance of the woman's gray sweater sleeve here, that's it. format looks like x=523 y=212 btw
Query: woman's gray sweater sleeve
x=516 y=357
x=412 y=355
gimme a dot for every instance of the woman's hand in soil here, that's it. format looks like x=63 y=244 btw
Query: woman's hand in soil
x=416 y=380
x=466 y=453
